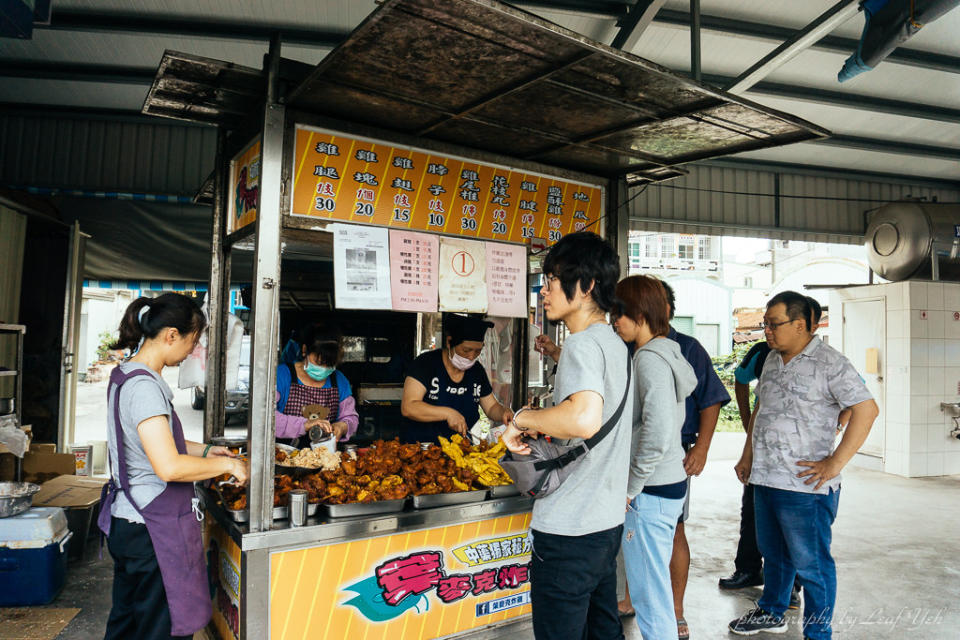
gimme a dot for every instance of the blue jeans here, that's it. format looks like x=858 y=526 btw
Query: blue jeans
x=647 y=545
x=793 y=533
x=573 y=586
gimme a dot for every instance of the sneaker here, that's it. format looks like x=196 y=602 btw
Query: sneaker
x=742 y=579
x=758 y=620
x=794 y=600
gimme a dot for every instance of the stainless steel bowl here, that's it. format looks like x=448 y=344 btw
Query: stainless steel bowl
x=15 y=497
x=7 y=405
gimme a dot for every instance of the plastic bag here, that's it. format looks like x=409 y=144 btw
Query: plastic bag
x=14 y=438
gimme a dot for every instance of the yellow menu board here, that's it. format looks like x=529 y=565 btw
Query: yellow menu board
x=354 y=179
x=244 y=196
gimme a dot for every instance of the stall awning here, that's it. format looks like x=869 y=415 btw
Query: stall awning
x=482 y=74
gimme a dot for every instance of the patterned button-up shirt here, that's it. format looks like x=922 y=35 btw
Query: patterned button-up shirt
x=799 y=405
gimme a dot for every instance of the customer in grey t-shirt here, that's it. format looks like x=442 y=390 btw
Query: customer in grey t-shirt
x=140 y=398
x=576 y=530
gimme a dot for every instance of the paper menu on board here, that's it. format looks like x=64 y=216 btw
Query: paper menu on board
x=506 y=280
x=463 y=286
x=361 y=267
x=414 y=271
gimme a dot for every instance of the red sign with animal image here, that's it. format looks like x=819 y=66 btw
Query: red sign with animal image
x=244 y=196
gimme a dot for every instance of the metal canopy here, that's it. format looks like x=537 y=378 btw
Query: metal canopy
x=198 y=89
x=481 y=74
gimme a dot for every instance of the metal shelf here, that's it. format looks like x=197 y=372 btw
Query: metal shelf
x=8 y=373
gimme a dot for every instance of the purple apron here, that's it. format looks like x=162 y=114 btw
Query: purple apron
x=173 y=527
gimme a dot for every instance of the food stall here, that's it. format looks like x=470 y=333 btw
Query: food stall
x=423 y=166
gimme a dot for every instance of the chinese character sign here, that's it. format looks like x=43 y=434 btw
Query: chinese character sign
x=506 y=280
x=463 y=271
x=414 y=270
x=244 y=196
x=354 y=179
x=423 y=584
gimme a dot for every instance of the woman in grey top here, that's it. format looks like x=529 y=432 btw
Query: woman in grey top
x=657 y=484
x=159 y=580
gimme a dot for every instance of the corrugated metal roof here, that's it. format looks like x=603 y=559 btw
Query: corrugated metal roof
x=104 y=156
x=729 y=201
x=724 y=53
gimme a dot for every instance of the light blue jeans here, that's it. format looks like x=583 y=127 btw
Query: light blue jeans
x=647 y=546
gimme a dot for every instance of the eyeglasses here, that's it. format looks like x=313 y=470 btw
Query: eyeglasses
x=773 y=326
x=550 y=279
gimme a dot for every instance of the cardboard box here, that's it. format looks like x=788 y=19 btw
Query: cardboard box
x=40 y=467
x=69 y=491
x=43 y=447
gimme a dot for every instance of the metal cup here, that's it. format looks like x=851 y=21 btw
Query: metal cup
x=298 y=507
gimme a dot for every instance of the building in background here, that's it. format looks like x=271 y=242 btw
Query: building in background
x=719 y=292
x=693 y=265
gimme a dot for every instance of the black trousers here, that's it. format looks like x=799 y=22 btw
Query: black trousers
x=139 y=599
x=573 y=586
x=748 y=558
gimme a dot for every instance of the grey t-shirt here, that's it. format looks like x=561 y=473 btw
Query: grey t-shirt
x=800 y=402
x=592 y=498
x=141 y=397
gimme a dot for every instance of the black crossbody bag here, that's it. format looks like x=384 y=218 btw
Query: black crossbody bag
x=548 y=464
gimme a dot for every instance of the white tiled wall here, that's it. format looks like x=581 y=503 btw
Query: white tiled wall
x=922 y=367
x=929 y=333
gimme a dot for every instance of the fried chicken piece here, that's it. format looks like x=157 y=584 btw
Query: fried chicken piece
x=349 y=467
x=408 y=451
x=279 y=455
x=329 y=476
x=429 y=489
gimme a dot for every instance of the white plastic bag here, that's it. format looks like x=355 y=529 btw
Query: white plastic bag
x=14 y=438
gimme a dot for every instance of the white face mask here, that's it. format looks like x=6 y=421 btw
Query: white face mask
x=460 y=362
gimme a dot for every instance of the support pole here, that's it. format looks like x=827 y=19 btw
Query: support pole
x=695 y=40
x=266 y=289
x=217 y=309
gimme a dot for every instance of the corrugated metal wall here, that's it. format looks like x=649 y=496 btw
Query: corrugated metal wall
x=102 y=155
x=717 y=200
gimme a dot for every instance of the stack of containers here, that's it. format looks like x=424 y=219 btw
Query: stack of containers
x=33 y=556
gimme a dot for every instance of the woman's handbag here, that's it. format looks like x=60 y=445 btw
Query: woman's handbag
x=548 y=464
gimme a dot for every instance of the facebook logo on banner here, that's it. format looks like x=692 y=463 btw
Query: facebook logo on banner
x=502 y=604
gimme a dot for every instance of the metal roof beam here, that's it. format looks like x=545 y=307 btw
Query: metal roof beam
x=846 y=100
x=635 y=23
x=602 y=8
x=101 y=22
x=104 y=73
x=891 y=146
x=800 y=41
x=821 y=171
x=34 y=110
x=837 y=44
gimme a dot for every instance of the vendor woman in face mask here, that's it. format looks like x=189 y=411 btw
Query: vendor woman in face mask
x=444 y=387
x=314 y=382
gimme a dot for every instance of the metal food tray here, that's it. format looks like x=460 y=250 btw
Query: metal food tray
x=243 y=515
x=504 y=491
x=447 y=499
x=364 y=508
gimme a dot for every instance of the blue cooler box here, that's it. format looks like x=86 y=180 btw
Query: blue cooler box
x=33 y=556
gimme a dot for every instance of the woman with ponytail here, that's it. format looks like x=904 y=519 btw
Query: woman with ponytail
x=148 y=511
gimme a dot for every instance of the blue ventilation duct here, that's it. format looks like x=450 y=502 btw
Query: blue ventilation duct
x=888 y=24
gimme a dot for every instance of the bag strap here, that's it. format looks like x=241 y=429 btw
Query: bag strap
x=561 y=461
x=615 y=418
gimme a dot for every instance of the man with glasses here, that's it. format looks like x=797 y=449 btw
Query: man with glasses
x=789 y=458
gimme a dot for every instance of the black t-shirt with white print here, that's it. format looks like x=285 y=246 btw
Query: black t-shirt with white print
x=464 y=396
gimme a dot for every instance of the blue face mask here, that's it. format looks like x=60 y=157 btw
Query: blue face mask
x=317 y=372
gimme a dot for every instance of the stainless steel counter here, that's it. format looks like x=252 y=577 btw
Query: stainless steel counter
x=320 y=529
